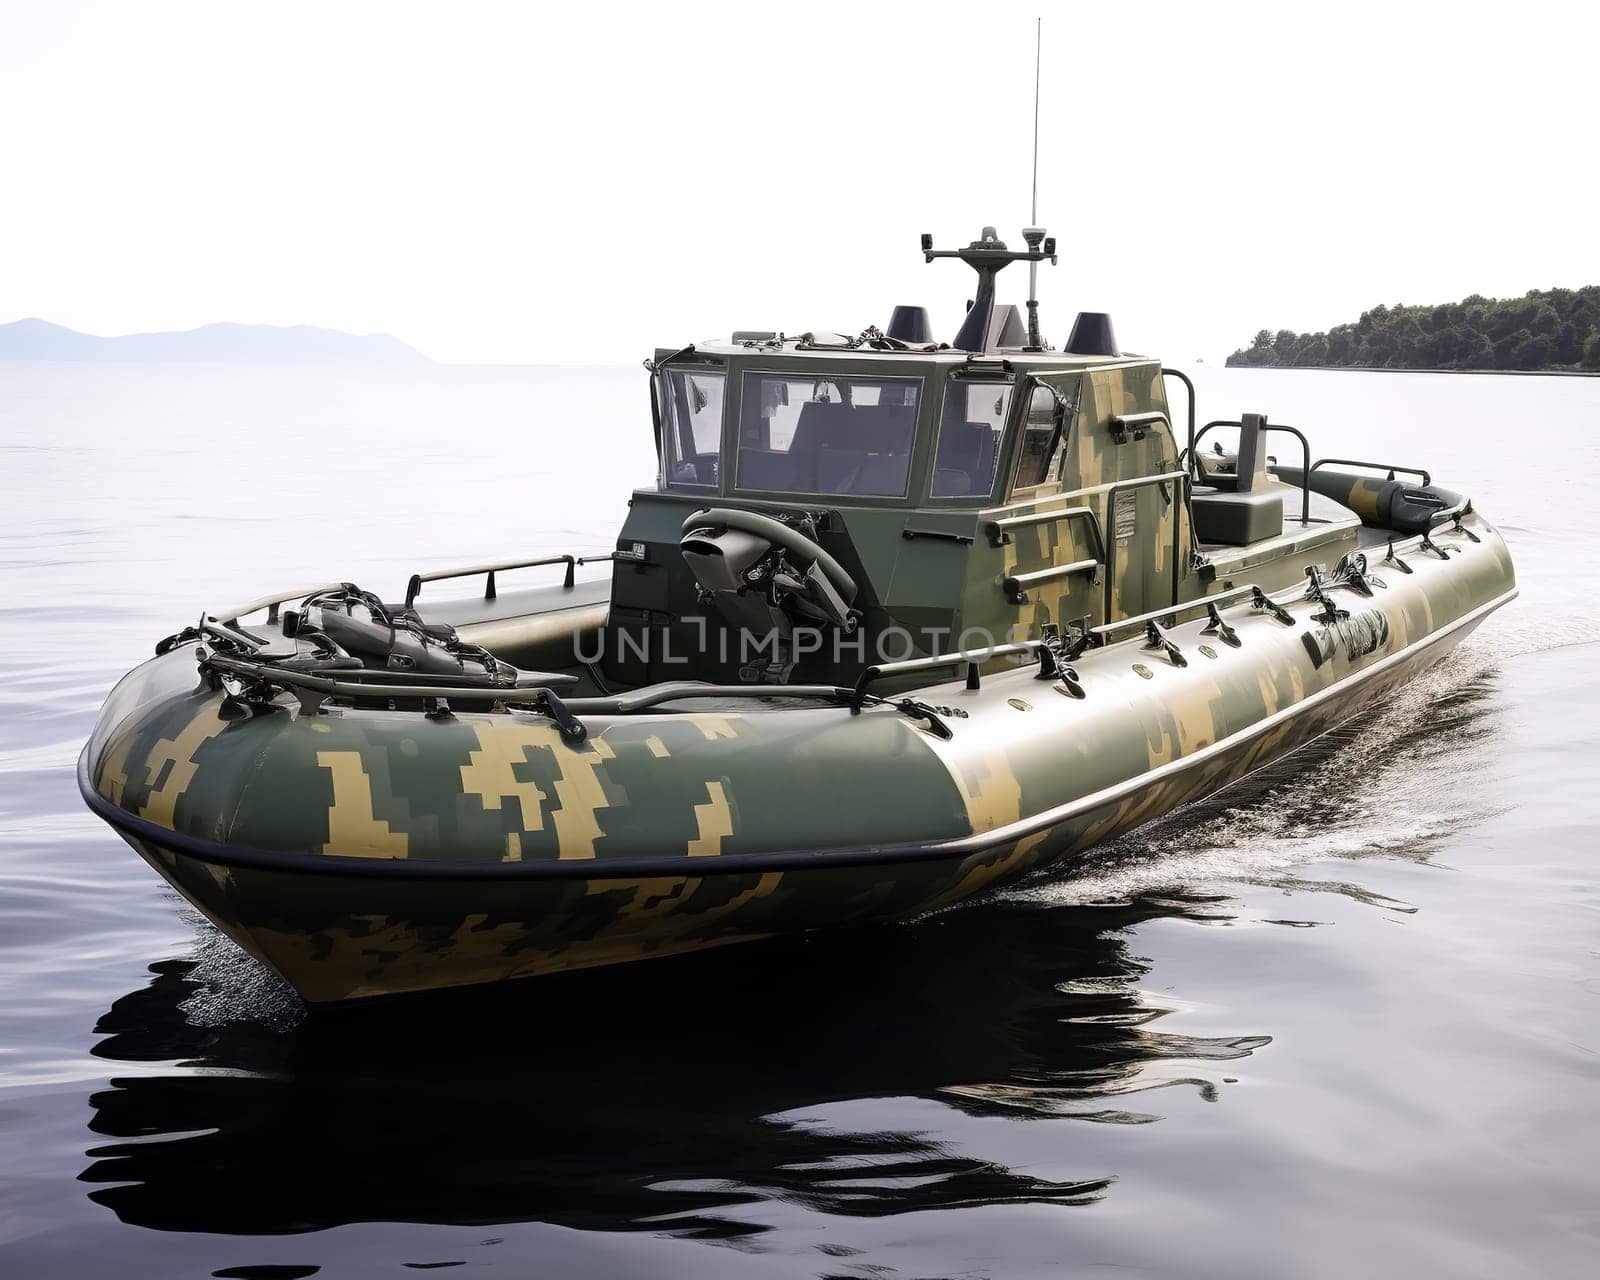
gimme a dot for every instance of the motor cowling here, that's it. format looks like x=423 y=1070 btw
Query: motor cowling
x=720 y=559
x=735 y=571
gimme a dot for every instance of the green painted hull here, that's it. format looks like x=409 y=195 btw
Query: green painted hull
x=365 y=853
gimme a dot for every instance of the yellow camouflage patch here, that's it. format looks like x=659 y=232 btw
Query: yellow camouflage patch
x=113 y=781
x=713 y=822
x=175 y=756
x=490 y=771
x=582 y=795
x=354 y=831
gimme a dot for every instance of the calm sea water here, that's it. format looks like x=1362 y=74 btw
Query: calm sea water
x=1345 y=1021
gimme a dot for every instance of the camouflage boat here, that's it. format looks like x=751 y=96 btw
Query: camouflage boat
x=899 y=620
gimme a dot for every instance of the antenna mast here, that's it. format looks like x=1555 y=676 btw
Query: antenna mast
x=1038 y=53
x=1034 y=233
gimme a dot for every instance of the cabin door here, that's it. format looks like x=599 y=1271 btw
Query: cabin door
x=1044 y=587
x=1125 y=457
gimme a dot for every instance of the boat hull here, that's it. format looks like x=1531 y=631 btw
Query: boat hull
x=682 y=832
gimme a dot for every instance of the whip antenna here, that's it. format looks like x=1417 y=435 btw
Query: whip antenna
x=1038 y=53
x=1033 y=234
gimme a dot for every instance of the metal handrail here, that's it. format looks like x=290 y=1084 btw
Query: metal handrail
x=414 y=587
x=1427 y=477
x=1177 y=478
x=1016 y=585
x=271 y=603
x=1087 y=491
x=223 y=631
x=1172 y=611
x=1184 y=378
x=970 y=658
x=682 y=690
x=353 y=685
x=1000 y=530
x=529 y=684
x=1305 y=448
x=1122 y=423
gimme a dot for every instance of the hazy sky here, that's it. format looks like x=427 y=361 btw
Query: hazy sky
x=518 y=183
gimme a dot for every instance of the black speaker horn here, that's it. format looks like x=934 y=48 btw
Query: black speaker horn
x=910 y=324
x=1092 y=335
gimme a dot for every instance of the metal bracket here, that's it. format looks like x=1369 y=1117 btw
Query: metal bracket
x=1315 y=590
x=1428 y=544
x=1217 y=627
x=1463 y=530
x=1396 y=561
x=244 y=698
x=1082 y=639
x=1261 y=600
x=1351 y=571
x=232 y=708
x=1156 y=638
x=310 y=700
x=173 y=641
x=572 y=730
x=1049 y=651
x=1132 y=426
x=932 y=715
x=1056 y=655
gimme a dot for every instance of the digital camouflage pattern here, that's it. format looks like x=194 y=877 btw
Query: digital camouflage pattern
x=691 y=788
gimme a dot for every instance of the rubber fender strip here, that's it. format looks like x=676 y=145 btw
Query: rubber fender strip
x=733 y=863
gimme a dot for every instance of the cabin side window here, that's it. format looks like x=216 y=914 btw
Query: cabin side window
x=693 y=426
x=1051 y=408
x=829 y=434
x=969 y=438
x=1039 y=434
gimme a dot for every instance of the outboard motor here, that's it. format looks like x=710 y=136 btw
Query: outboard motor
x=765 y=576
x=733 y=569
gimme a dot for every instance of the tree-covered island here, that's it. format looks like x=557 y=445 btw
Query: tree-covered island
x=1548 y=329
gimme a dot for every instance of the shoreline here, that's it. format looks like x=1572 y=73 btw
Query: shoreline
x=1356 y=368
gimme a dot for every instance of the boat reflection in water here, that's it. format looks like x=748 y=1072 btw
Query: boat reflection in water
x=657 y=1099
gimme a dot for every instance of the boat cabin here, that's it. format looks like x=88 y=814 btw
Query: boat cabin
x=966 y=495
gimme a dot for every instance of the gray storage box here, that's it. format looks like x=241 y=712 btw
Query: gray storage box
x=1236 y=519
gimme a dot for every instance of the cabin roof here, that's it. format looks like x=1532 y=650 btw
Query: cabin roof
x=940 y=357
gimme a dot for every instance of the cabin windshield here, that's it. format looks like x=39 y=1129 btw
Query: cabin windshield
x=969 y=438
x=833 y=434
x=693 y=422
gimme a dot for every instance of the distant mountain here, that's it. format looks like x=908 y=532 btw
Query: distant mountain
x=212 y=344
